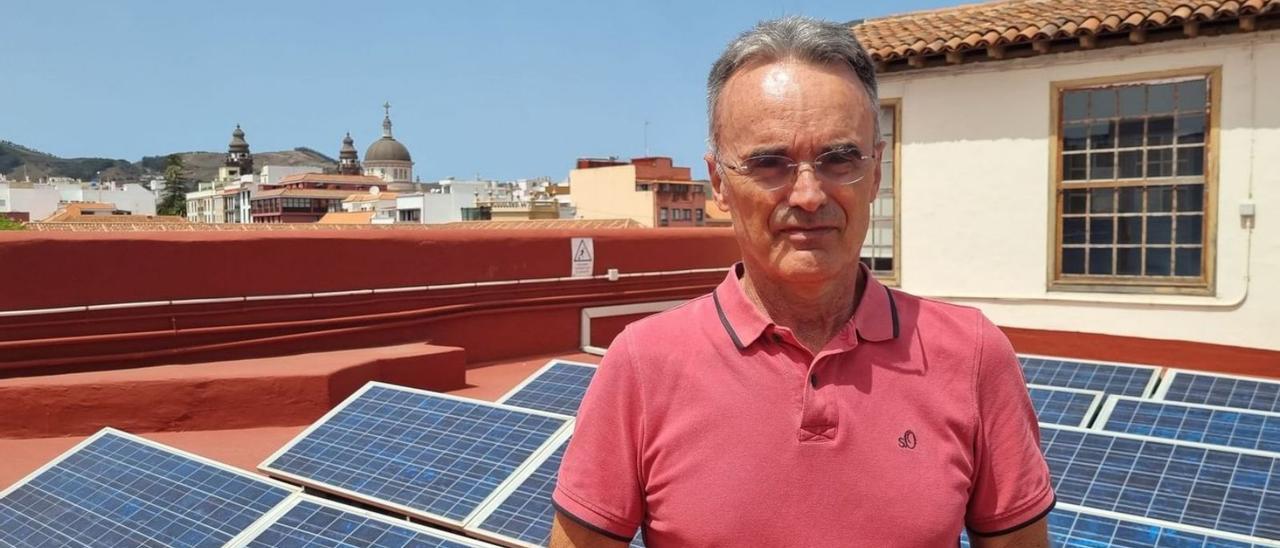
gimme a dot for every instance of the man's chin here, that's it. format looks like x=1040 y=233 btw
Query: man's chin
x=807 y=266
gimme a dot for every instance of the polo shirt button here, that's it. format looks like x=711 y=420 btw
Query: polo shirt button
x=813 y=380
x=777 y=338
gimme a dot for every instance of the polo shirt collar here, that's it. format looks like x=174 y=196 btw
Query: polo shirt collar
x=875 y=319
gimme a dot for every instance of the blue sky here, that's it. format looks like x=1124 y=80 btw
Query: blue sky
x=502 y=90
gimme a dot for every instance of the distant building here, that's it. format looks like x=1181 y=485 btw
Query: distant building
x=381 y=204
x=348 y=161
x=388 y=159
x=40 y=200
x=443 y=202
x=652 y=191
x=306 y=197
x=91 y=212
x=209 y=203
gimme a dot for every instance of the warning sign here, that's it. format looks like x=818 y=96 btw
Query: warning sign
x=584 y=257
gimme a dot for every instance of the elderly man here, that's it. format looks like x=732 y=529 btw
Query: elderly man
x=802 y=403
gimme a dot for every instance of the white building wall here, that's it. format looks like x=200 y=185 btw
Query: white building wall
x=978 y=201
x=132 y=197
x=39 y=201
x=270 y=175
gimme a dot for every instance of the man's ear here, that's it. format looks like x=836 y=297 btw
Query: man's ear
x=718 y=188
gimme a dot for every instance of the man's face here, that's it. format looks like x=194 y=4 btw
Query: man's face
x=809 y=230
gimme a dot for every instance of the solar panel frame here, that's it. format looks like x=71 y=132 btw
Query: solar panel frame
x=1163 y=476
x=263 y=527
x=1108 y=409
x=1210 y=535
x=108 y=431
x=1098 y=398
x=535 y=377
x=391 y=506
x=1172 y=374
x=1150 y=383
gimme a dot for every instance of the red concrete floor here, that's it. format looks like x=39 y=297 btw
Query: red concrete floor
x=246 y=448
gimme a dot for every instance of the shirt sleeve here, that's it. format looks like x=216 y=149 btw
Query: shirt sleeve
x=600 y=482
x=1011 y=487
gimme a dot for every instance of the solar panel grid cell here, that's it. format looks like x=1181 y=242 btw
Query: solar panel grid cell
x=1063 y=406
x=117 y=490
x=1192 y=422
x=431 y=455
x=1220 y=489
x=1109 y=378
x=314 y=523
x=556 y=388
x=1222 y=390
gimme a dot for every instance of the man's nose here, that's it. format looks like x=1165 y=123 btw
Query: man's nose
x=807 y=192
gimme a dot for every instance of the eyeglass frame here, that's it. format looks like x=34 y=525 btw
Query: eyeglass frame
x=792 y=167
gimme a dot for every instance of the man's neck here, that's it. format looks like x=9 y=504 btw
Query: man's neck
x=815 y=313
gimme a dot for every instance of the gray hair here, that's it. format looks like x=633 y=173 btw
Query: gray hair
x=793 y=37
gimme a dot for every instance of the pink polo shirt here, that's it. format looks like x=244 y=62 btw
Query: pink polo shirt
x=708 y=425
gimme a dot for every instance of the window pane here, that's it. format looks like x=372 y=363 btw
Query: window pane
x=1191 y=95
x=1187 y=261
x=1102 y=135
x=1130 y=164
x=1075 y=105
x=1101 y=230
x=1189 y=229
x=1075 y=201
x=1159 y=199
x=1133 y=100
x=1103 y=200
x=1073 y=260
x=1075 y=137
x=1103 y=103
x=1073 y=230
x=1100 y=260
x=1191 y=128
x=1129 y=230
x=1130 y=200
x=1159 y=162
x=1159 y=229
x=1160 y=131
x=1190 y=161
x=1103 y=165
x=1129 y=261
x=1074 y=167
x=1158 y=261
x=1131 y=132
x=1160 y=98
x=1190 y=198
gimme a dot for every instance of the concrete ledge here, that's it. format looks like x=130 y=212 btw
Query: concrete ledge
x=251 y=393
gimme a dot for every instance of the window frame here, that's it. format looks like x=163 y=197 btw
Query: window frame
x=1086 y=283
x=892 y=278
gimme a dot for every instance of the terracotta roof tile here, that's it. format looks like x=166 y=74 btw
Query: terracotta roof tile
x=1016 y=21
x=347 y=217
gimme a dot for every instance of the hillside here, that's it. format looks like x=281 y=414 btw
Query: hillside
x=17 y=162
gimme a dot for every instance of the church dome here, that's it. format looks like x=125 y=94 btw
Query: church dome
x=387 y=149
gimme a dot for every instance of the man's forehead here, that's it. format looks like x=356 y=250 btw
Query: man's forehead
x=774 y=103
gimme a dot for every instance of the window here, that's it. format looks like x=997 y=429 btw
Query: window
x=879 y=247
x=1132 y=183
x=662 y=216
x=697 y=215
x=688 y=214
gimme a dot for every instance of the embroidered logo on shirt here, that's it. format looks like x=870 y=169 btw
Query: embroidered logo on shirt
x=908 y=440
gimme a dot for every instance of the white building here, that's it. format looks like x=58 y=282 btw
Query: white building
x=40 y=200
x=388 y=159
x=443 y=202
x=381 y=204
x=1101 y=179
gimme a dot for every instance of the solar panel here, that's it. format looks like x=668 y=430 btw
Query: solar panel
x=1232 y=490
x=521 y=513
x=311 y=521
x=1224 y=390
x=116 y=489
x=433 y=456
x=1193 y=422
x=1109 y=378
x=1071 y=525
x=557 y=387
x=1065 y=406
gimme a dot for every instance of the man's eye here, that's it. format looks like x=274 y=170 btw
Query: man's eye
x=767 y=162
x=841 y=158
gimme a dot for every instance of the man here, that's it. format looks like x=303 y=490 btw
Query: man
x=802 y=403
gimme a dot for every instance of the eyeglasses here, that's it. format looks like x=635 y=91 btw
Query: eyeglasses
x=772 y=171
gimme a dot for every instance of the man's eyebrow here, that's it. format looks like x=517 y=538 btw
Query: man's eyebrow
x=843 y=146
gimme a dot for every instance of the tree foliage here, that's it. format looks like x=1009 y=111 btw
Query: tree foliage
x=10 y=224
x=174 y=197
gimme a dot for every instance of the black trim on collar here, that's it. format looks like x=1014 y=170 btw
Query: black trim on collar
x=588 y=524
x=725 y=321
x=893 y=311
x=1022 y=525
